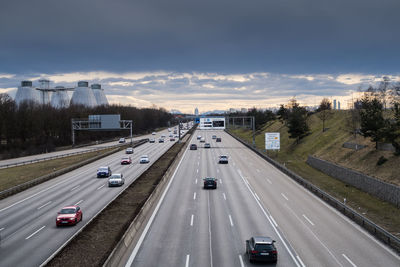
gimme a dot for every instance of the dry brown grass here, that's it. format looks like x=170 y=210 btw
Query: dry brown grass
x=14 y=176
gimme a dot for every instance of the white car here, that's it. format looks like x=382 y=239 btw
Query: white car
x=153 y=133
x=121 y=140
x=202 y=140
x=117 y=179
x=129 y=150
x=198 y=137
x=152 y=140
x=144 y=159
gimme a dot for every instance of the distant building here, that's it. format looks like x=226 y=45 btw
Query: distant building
x=196 y=111
x=334 y=104
x=338 y=105
x=243 y=110
x=232 y=110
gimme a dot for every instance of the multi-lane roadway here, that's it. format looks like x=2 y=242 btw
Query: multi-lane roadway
x=198 y=227
x=28 y=232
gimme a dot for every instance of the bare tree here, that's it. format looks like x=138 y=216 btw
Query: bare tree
x=324 y=111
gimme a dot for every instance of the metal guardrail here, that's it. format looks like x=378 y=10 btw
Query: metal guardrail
x=58 y=156
x=371 y=227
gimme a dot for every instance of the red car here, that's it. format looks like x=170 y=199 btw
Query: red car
x=126 y=160
x=70 y=215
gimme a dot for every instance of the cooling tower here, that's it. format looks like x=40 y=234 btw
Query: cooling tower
x=26 y=92
x=44 y=93
x=83 y=95
x=99 y=94
x=60 y=98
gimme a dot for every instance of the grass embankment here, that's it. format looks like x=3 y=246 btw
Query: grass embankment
x=92 y=246
x=14 y=176
x=328 y=145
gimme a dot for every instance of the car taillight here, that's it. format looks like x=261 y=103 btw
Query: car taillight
x=254 y=252
x=274 y=252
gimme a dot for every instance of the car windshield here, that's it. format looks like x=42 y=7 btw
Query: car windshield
x=103 y=169
x=67 y=211
x=209 y=179
x=114 y=176
x=267 y=247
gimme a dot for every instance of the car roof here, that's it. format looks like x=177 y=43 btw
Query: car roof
x=70 y=207
x=103 y=167
x=263 y=240
x=116 y=174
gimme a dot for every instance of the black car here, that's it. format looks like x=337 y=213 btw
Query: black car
x=104 y=172
x=223 y=160
x=218 y=139
x=193 y=147
x=261 y=248
x=210 y=182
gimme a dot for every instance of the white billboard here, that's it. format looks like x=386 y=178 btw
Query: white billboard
x=272 y=141
x=216 y=123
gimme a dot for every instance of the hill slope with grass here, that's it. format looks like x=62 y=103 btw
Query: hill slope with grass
x=328 y=145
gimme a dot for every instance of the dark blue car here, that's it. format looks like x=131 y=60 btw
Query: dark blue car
x=104 y=172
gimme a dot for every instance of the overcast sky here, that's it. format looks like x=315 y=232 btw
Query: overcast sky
x=211 y=54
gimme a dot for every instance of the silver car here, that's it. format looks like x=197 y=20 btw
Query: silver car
x=117 y=179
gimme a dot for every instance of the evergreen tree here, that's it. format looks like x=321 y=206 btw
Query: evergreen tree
x=297 y=122
x=373 y=123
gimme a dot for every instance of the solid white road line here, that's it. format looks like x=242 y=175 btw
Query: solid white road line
x=79 y=202
x=272 y=219
x=44 y=205
x=301 y=262
x=187 y=260
x=146 y=229
x=308 y=220
x=349 y=260
x=209 y=229
x=98 y=188
x=75 y=187
x=34 y=233
x=273 y=226
x=230 y=219
x=241 y=261
x=269 y=181
x=256 y=195
x=194 y=195
x=224 y=196
x=191 y=220
x=285 y=197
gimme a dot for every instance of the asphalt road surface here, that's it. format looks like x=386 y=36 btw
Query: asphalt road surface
x=6 y=162
x=28 y=231
x=199 y=227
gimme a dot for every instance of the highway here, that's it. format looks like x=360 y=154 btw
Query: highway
x=198 y=227
x=28 y=231
x=4 y=163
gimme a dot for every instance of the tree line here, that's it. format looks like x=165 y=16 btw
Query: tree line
x=30 y=128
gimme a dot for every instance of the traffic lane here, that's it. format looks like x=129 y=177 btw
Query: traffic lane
x=250 y=218
x=224 y=242
x=71 y=183
x=169 y=232
x=334 y=235
x=103 y=197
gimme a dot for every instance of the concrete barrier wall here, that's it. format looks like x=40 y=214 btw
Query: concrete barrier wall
x=373 y=186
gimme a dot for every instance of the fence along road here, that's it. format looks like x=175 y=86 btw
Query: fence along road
x=197 y=227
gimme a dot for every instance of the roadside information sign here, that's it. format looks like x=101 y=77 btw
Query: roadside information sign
x=272 y=141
